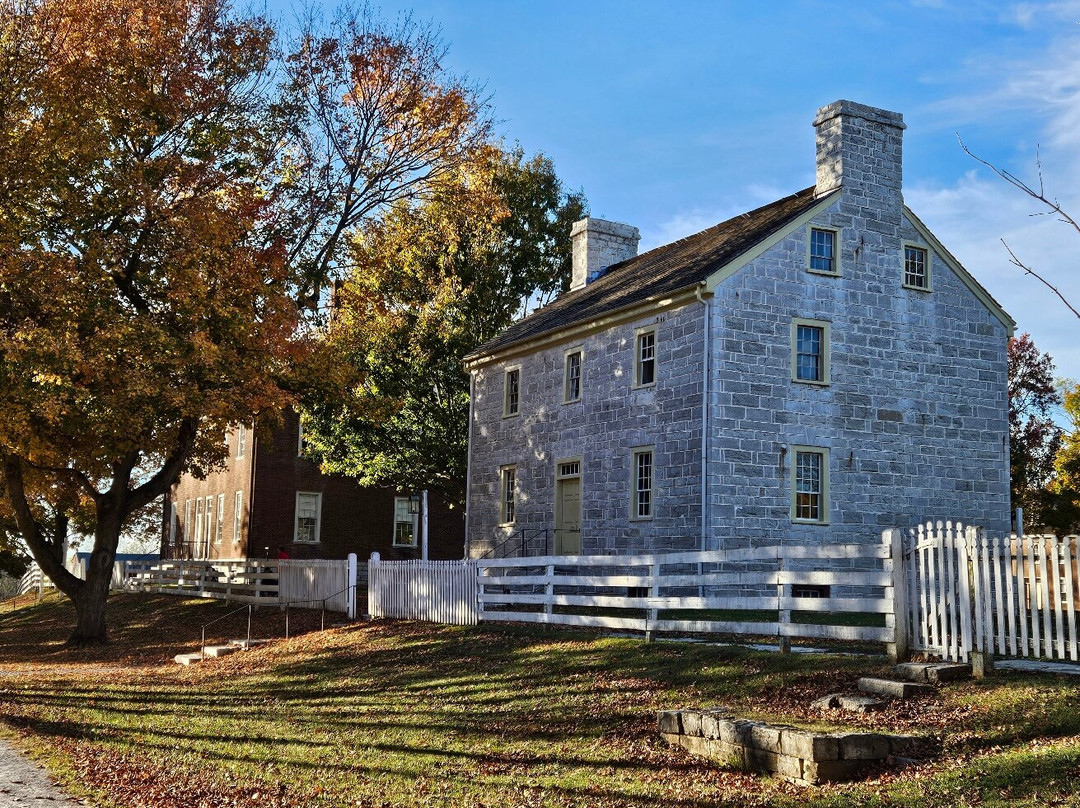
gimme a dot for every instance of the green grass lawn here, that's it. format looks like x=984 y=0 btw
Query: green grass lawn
x=396 y=713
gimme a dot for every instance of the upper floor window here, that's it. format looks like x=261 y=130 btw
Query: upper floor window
x=572 y=381
x=238 y=516
x=301 y=441
x=810 y=351
x=241 y=440
x=642 y=494
x=404 y=523
x=916 y=268
x=645 y=358
x=512 y=392
x=821 y=255
x=810 y=485
x=220 y=516
x=507 y=494
x=308 y=517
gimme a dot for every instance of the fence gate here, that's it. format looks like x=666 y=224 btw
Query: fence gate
x=1014 y=596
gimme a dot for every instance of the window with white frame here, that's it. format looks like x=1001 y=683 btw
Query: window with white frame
x=641 y=501
x=209 y=525
x=238 y=515
x=512 y=392
x=308 y=517
x=572 y=377
x=810 y=485
x=810 y=351
x=187 y=520
x=241 y=440
x=196 y=536
x=916 y=268
x=821 y=253
x=507 y=494
x=645 y=358
x=220 y=516
x=404 y=523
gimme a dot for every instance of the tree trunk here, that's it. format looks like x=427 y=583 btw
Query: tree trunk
x=90 y=599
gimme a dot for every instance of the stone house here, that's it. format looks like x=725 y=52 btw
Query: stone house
x=814 y=370
x=270 y=497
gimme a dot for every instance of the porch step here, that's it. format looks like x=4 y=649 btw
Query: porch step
x=187 y=659
x=890 y=687
x=933 y=672
x=243 y=645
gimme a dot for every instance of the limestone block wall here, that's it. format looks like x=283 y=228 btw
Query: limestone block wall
x=915 y=417
x=602 y=430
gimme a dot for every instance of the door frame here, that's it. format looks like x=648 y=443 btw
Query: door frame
x=567 y=468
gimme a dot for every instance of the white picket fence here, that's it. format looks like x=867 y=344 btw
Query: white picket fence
x=690 y=592
x=1010 y=596
x=437 y=591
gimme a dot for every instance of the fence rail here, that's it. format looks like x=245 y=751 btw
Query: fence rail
x=746 y=591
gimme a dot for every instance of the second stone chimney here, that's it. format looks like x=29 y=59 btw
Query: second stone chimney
x=597 y=245
x=861 y=148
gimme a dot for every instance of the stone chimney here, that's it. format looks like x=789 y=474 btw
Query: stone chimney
x=597 y=245
x=861 y=149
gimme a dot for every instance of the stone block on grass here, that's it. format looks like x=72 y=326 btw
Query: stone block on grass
x=809 y=745
x=667 y=721
x=863 y=746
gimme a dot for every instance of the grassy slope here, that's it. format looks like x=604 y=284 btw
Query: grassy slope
x=411 y=714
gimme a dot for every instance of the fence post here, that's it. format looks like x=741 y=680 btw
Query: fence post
x=350 y=593
x=373 y=585
x=549 y=591
x=783 y=616
x=898 y=648
x=652 y=613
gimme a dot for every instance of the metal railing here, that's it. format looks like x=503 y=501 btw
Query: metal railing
x=526 y=542
x=322 y=601
x=202 y=646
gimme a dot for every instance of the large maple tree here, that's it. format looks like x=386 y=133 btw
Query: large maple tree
x=174 y=194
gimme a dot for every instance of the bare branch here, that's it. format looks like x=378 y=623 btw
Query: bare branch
x=1029 y=271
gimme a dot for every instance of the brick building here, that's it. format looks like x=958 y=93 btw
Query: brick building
x=271 y=498
x=814 y=370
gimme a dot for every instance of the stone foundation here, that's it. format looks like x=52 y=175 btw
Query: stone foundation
x=797 y=755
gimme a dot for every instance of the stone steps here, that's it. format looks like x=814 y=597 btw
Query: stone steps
x=215 y=651
x=910 y=679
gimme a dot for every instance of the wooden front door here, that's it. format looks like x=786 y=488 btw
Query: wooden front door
x=568 y=516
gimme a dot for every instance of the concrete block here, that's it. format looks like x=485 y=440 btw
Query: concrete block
x=809 y=745
x=187 y=659
x=736 y=731
x=863 y=746
x=830 y=702
x=761 y=759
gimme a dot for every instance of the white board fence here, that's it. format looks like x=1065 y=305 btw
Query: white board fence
x=1013 y=596
x=675 y=592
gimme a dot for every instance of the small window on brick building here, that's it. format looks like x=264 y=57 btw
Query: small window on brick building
x=308 y=517
x=241 y=440
x=404 y=523
x=220 y=516
x=238 y=516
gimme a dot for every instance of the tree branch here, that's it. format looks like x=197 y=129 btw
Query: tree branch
x=1029 y=271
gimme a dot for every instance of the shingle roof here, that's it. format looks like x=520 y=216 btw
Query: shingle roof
x=657 y=273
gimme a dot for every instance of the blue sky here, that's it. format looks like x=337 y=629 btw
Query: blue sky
x=673 y=116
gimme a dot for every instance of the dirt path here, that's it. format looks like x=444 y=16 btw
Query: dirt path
x=24 y=783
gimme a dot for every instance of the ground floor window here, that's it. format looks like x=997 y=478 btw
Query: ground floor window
x=507 y=494
x=641 y=504
x=810 y=485
x=404 y=523
x=308 y=517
